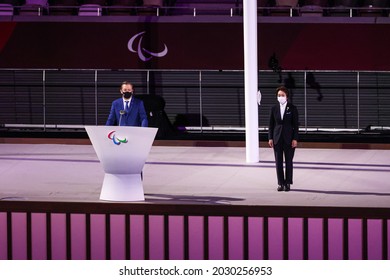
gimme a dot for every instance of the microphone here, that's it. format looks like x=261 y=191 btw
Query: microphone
x=121 y=112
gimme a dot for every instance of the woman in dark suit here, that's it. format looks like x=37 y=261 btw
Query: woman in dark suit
x=283 y=136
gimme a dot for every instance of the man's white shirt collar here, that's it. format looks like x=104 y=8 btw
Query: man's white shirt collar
x=124 y=102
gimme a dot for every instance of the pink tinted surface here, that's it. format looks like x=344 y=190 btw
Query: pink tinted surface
x=176 y=237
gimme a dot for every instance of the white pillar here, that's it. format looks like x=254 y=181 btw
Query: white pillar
x=251 y=85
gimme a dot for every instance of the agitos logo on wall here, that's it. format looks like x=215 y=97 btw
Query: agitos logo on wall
x=143 y=53
x=190 y=45
x=123 y=45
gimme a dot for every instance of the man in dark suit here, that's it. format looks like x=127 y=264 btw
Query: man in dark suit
x=283 y=136
x=127 y=110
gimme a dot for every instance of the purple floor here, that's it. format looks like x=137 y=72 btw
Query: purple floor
x=201 y=176
x=211 y=175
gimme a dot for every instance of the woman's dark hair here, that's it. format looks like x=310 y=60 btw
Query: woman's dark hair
x=284 y=89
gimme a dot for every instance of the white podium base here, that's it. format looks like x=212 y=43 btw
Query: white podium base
x=122 y=187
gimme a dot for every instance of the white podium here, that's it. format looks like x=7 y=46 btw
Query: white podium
x=122 y=150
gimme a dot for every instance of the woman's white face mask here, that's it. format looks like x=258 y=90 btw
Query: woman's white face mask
x=282 y=99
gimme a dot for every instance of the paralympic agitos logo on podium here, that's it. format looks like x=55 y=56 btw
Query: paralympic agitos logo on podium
x=117 y=140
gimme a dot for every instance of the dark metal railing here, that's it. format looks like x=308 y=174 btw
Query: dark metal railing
x=352 y=114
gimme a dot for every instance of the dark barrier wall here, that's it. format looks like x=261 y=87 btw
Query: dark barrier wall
x=143 y=45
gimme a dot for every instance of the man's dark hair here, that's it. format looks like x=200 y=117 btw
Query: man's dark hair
x=126 y=83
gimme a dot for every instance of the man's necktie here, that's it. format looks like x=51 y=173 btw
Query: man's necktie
x=127 y=107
